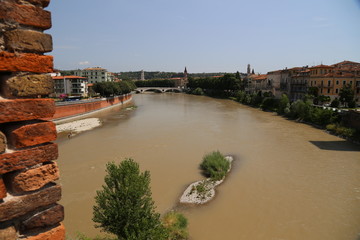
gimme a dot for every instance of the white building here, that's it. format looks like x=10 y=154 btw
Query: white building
x=71 y=86
x=95 y=74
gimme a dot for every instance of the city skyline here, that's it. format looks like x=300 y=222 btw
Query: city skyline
x=204 y=36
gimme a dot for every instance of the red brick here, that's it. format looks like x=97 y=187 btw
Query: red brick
x=26 y=85
x=25 y=109
x=28 y=41
x=8 y=233
x=32 y=179
x=20 y=205
x=2 y=143
x=2 y=189
x=29 y=157
x=46 y=218
x=31 y=134
x=25 y=62
x=25 y=15
x=57 y=233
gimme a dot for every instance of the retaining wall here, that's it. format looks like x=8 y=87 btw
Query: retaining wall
x=81 y=108
x=28 y=193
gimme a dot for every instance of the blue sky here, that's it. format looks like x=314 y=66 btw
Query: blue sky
x=203 y=35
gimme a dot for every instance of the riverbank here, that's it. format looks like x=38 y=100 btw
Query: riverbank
x=73 y=109
x=75 y=127
x=344 y=124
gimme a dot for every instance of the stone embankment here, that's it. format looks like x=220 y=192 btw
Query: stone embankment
x=70 y=109
x=202 y=191
x=28 y=193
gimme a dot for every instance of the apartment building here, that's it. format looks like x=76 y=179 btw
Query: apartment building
x=70 y=85
x=95 y=74
x=329 y=79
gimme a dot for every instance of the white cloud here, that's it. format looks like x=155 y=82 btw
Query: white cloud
x=84 y=63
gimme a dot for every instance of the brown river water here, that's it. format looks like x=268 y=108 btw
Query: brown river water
x=290 y=181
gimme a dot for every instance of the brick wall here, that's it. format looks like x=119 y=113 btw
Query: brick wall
x=81 y=108
x=28 y=193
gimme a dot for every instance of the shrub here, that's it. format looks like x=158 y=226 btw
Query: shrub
x=269 y=103
x=283 y=103
x=198 y=91
x=124 y=206
x=341 y=130
x=215 y=165
x=176 y=225
x=335 y=103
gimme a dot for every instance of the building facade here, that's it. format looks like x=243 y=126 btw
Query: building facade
x=95 y=74
x=71 y=86
x=330 y=79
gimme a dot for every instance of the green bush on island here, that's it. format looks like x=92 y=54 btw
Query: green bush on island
x=176 y=225
x=215 y=165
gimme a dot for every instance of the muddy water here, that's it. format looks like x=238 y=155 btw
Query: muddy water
x=289 y=181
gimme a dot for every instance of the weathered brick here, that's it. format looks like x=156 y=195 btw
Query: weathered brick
x=28 y=41
x=25 y=62
x=41 y=3
x=46 y=218
x=2 y=189
x=25 y=109
x=29 y=157
x=25 y=14
x=8 y=233
x=20 y=205
x=57 y=233
x=2 y=143
x=31 y=179
x=31 y=134
x=26 y=85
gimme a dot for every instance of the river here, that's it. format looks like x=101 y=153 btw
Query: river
x=290 y=181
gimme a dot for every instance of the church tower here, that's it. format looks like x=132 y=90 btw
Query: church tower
x=248 y=69
x=142 y=77
x=185 y=79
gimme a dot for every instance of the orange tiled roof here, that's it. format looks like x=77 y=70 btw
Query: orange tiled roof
x=259 y=77
x=276 y=71
x=322 y=66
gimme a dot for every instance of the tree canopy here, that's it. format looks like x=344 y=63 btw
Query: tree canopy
x=124 y=206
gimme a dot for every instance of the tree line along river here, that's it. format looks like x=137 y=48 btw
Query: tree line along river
x=289 y=180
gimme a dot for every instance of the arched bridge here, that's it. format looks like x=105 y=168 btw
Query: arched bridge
x=157 y=89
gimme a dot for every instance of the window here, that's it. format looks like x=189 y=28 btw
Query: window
x=344 y=82
x=329 y=83
x=328 y=91
x=350 y=82
x=337 y=82
x=337 y=90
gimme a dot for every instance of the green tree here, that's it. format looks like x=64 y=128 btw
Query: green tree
x=346 y=95
x=237 y=75
x=283 y=104
x=124 y=206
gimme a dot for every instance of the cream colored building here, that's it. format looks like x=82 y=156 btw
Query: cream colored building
x=95 y=74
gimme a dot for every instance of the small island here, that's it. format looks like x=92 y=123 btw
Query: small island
x=215 y=167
